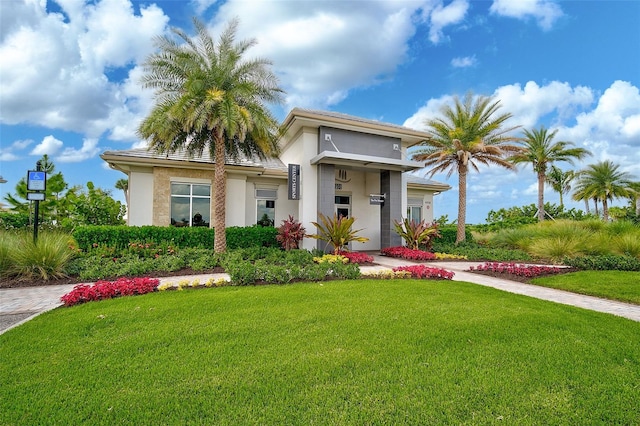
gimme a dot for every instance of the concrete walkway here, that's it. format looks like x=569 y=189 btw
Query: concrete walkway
x=18 y=305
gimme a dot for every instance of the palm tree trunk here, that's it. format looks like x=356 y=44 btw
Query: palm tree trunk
x=605 y=210
x=595 y=202
x=638 y=205
x=462 y=204
x=586 y=205
x=541 y=179
x=220 y=197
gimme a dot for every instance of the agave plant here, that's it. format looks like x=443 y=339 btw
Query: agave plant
x=416 y=233
x=337 y=231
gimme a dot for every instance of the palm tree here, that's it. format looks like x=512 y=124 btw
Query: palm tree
x=604 y=182
x=560 y=181
x=541 y=152
x=209 y=97
x=468 y=133
x=123 y=185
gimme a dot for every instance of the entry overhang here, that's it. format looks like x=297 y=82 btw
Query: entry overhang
x=365 y=161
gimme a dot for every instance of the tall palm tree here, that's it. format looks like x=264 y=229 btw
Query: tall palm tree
x=604 y=182
x=469 y=133
x=541 y=151
x=560 y=181
x=209 y=97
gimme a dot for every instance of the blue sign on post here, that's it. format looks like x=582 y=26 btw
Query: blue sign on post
x=36 y=181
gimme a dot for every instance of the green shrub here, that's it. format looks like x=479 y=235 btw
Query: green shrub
x=556 y=248
x=46 y=259
x=13 y=221
x=119 y=237
x=627 y=244
x=475 y=252
x=448 y=235
x=604 y=263
x=7 y=241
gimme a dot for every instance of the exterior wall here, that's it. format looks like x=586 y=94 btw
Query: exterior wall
x=304 y=147
x=390 y=184
x=235 y=202
x=427 y=203
x=162 y=178
x=141 y=196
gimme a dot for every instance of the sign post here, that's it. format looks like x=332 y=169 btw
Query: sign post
x=36 y=181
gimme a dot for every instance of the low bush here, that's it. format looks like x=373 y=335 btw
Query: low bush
x=449 y=233
x=423 y=271
x=407 y=253
x=46 y=259
x=475 y=252
x=109 y=289
x=609 y=262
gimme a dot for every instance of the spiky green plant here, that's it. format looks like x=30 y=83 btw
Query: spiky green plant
x=7 y=242
x=556 y=248
x=627 y=244
x=337 y=231
x=415 y=233
x=516 y=238
x=46 y=259
x=621 y=227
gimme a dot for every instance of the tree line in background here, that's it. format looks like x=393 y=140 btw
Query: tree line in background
x=472 y=132
x=64 y=207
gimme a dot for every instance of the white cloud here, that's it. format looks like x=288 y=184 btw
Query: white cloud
x=60 y=62
x=71 y=155
x=443 y=16
x=464 y=62
x=49 y=146
x=546 y=12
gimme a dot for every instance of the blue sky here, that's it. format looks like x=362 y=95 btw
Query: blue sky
x=70 y=69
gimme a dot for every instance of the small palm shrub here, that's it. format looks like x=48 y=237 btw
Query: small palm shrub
x=47 y=259
x=290 y=233
x=415 y=233
x=337 y=231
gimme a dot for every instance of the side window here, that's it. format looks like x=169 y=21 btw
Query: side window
x=414 y=209
x=190 y=204
x=266 y=205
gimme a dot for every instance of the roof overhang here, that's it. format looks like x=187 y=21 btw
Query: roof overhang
x=364 y=161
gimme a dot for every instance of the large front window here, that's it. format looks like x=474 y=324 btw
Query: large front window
x=190 y=204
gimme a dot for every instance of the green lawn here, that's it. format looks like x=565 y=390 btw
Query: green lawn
x=338 y=352
x=614 y=285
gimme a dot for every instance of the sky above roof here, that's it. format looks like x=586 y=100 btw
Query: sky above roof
x=70 y=75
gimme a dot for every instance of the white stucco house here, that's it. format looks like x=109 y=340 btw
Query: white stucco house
x=329 y=163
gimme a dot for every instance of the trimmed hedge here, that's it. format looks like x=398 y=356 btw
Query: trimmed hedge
x=119 y=237
x=449 y=234
x=609 y=262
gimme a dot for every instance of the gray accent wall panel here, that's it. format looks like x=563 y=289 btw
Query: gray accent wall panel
x=391 y=185
x=326 y=195
x=359 y=143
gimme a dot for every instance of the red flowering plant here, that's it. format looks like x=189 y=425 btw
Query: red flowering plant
x=109 y=289
x=407 y=253
x=356 y=257
x=422 y=271
x=290 y=233
x=522 y=270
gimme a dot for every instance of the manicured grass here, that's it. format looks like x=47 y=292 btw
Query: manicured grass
x=337 y=352
x=614 y=285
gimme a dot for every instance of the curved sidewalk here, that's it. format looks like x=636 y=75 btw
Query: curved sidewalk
x=18 y=305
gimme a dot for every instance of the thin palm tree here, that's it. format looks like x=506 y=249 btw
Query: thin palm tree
x=469 y=133
x=123 y=185
x=210 y=98
x=604 y=182
x=560 y=181
x=541 y=151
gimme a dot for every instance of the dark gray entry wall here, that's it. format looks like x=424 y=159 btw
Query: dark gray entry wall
x=326 y=196
x=391 y=185
x=346 y=141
